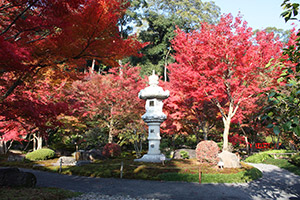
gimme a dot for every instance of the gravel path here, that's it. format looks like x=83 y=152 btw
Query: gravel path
x=276 y=184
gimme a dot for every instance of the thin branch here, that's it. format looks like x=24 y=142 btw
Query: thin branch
x=14 y=21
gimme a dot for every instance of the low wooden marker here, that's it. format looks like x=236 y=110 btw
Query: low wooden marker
x=121 y=170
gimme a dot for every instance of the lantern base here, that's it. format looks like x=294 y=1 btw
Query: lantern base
x=152 y=158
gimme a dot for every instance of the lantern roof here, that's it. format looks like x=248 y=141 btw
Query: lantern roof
x=153 y=91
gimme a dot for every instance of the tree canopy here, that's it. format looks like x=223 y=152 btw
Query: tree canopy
x=225 y=65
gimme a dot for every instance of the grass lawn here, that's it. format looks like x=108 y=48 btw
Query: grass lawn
x=174 y=170
x=284 y=164
x=7 y=193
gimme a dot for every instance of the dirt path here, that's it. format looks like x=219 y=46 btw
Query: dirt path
x=275 y=184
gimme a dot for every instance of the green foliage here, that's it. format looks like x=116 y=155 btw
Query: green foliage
x=257 y=158
x=40 y=154
x=95 y=138
x=291 y=10
x=262 y=156
x=282 y=110
x=184 y=154
x=159 y=33
x=132 y=17
x=296 y=159
x=191 y=12
x=281 y=34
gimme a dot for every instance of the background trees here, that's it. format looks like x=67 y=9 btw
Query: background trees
x=225 y=65
x=161 y=18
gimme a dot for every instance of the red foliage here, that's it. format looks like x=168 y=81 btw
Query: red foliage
x=236 y=139
x=111 y=99
x=49 y=36
x=29 y=111
x=226 y=65
x=207 y=152
x=111 y=150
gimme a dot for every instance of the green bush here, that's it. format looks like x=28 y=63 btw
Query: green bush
x=184 y=155
x=257 y=158
x=262 y=156
x=40 y=154
x=296 y=159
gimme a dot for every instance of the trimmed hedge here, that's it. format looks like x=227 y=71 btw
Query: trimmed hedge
x=40 y=154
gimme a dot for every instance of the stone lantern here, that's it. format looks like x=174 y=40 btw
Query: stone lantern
x=154 y=96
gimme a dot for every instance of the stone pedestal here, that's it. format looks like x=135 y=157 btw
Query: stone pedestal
x=153 y=154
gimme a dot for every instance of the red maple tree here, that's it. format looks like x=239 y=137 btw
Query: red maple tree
x=42 y=37
x=110 y=99
x=226 y=65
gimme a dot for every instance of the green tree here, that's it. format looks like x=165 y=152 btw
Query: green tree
x=283 y=35
x=161 y=17
x=133 y=17
x=192 y=12
x=160 y=31
x=283 y=111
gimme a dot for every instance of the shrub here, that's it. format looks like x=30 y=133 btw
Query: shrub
x=257 y=158
x=40 y=154
x=262 y=156
x=111 y=150
x=207 y=152
x=296 y=159
x=184 y=155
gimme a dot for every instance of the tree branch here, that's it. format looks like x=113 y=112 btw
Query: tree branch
x=14 y=21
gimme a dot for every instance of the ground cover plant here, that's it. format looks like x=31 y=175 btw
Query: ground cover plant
x=7 y=193
x=178 y=170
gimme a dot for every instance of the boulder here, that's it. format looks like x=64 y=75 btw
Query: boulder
x=230 y=160
x=13 y=177
x=66 y=160
x=15 y=157
x=191 y=153
x=95 y=154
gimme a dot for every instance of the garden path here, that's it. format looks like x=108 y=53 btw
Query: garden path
x=276 y=183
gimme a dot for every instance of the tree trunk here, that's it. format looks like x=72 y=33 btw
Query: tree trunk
x=110 y=133
x=93 y=66
x=226 y=133
x=34 y=142
x=3 y=147
x=37 y=141
x=247 y=145
x=205 y=129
